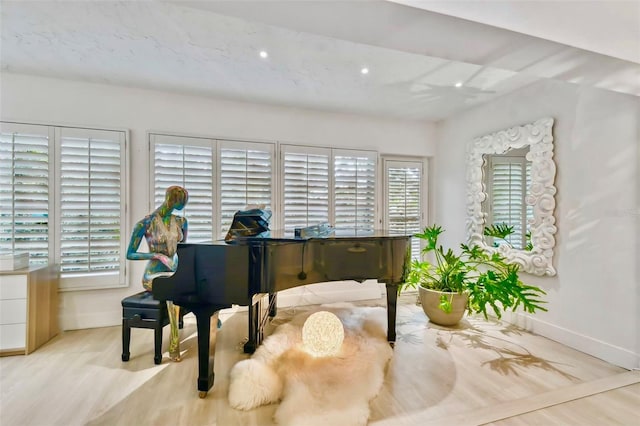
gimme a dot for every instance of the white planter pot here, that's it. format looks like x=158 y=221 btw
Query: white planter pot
x=430 y=299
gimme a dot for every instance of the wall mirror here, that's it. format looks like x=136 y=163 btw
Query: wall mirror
x=510 y=181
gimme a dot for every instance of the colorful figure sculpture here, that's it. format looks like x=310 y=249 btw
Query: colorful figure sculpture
x=162 y=231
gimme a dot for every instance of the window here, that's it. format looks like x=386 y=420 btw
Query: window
x=328 y=185
x=90 y=202
x=240 y=172
x=355 y=189
x=187 y=162
x=224 y=176
x=305 y=186
x=246 y=178
x=82 y=173
x=507 y=182
x=403 y=199
x=316 y=185
x=25 y=184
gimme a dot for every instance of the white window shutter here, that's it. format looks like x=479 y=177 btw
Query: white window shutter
x=508 y=188
x=91 y=204
x=403 y=183
x=246 y=178
x=24 y=190
x=355 y=189
x=221 y=177
x=189 y=163
x=306 y=186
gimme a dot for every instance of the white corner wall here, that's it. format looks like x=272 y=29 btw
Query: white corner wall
x=594 y=300
x=32 y=99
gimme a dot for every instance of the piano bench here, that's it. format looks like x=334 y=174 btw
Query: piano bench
x=141 y=310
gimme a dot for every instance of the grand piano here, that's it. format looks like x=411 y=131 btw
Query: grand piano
x=249 y=270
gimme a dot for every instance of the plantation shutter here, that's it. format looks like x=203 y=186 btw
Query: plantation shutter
x=403 y=184
x=189 y=163
x=24 y=190
x=306 y=186
x=355 y=189
x=91 y=205
x=246 y=178
x=508 y=188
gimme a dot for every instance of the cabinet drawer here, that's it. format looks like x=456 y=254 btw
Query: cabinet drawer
x=13 y=287
x=13 y=336
x=13 y=311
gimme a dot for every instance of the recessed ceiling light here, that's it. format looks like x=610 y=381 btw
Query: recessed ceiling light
x=364 y=70
x=263 y=54
x=459 y=84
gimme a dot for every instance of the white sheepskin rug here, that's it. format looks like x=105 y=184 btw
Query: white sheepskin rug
x=333 y=390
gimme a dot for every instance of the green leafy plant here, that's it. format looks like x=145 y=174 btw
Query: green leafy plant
x=500 y=231
x=487 y=279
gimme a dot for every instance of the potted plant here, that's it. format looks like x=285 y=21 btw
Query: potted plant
x=472 y=281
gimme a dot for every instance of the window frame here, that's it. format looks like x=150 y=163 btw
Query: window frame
x=375 y=157
x=303 y=150
x=242 y=145
x=176 y=139
x=280 y=150
x=331 y=154
x=510 y=158
x=83 y=280
x=216 y=145
x=49 y=133
x=389 y=161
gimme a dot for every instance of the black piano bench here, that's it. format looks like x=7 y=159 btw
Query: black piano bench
x=141 y=310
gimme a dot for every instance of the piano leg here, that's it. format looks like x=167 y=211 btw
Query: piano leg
x=273 y=304
x=255 y=331
x=254 y=315
x=392 y=298
x=203 y=315
x=258 y=318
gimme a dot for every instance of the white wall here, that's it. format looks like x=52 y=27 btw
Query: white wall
x=594 y=301
x=51 y=101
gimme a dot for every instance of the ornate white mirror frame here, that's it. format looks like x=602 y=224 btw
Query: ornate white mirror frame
x=538 y=138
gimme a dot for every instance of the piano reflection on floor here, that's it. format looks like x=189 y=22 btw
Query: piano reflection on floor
x=217 y=275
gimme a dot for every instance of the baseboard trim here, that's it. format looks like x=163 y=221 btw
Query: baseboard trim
x=613 y=354
x=95 y=320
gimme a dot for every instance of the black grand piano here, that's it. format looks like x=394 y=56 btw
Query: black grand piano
x=217 y=275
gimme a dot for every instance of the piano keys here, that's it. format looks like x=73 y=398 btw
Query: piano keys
x=217 y=275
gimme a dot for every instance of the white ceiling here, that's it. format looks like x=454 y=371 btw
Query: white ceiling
x=316 y=51
x=609 y=27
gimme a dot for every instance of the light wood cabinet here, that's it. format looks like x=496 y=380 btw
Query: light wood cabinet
x=28 y=308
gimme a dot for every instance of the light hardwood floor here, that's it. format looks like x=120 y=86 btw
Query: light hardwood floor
x=478 y=373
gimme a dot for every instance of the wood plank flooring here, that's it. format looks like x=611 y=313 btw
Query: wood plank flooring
x=478 y=373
